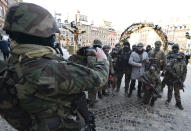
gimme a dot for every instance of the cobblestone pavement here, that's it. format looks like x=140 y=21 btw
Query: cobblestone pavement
x=120 y=113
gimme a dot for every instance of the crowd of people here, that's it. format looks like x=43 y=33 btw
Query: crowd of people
x=146 y=66
x=41 y=91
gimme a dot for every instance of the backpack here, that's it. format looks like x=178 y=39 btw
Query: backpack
x=9 y=104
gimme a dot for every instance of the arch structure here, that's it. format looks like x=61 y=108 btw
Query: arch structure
x=138 y=26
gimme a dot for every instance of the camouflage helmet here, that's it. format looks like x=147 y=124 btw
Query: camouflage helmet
x=97 y=42
x=30 y=19
x=158 y=43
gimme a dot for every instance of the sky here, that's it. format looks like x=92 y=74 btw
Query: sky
x=122 y=13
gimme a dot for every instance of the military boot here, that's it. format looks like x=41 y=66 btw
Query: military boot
x=179 y=105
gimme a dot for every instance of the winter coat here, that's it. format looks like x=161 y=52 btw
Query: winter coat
x=135 y=60
x=4 y=46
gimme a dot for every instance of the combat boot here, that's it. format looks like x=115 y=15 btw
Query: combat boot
x=179 y=105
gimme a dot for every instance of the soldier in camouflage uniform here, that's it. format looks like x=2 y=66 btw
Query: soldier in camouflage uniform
x=176 y=70
x=149 y=96
x=47 y=87
x=114 y=55
x=157 y=56
x=123 y=66
x=103 y=92
x=170 y=56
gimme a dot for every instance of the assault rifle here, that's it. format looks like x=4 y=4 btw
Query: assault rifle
x=150 y=85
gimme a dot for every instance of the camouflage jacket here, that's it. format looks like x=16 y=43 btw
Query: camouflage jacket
x=111 y=68
x=114 y=60
x=88 y=61
x=154 y=78
x=47 y=85
x=176 y=70
x=157 y=56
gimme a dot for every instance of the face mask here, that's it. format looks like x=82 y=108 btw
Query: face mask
x=157 y=47
x=175 y=50
x=126 y=48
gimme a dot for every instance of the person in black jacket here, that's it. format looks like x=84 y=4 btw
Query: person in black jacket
x=123 y=66
x=4 y=46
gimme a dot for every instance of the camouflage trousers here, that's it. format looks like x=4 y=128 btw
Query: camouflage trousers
x=113 y=84
x=92 y=96
x=176 y=89
x=119 y=76
x=148 y=96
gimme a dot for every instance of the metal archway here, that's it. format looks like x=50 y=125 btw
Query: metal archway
x=137 y=26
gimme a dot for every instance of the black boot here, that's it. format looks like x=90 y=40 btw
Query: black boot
x=179 y=105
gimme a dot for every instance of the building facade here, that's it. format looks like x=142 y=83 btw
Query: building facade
x=3 y=9
x=177 y=34
x=105 y=33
